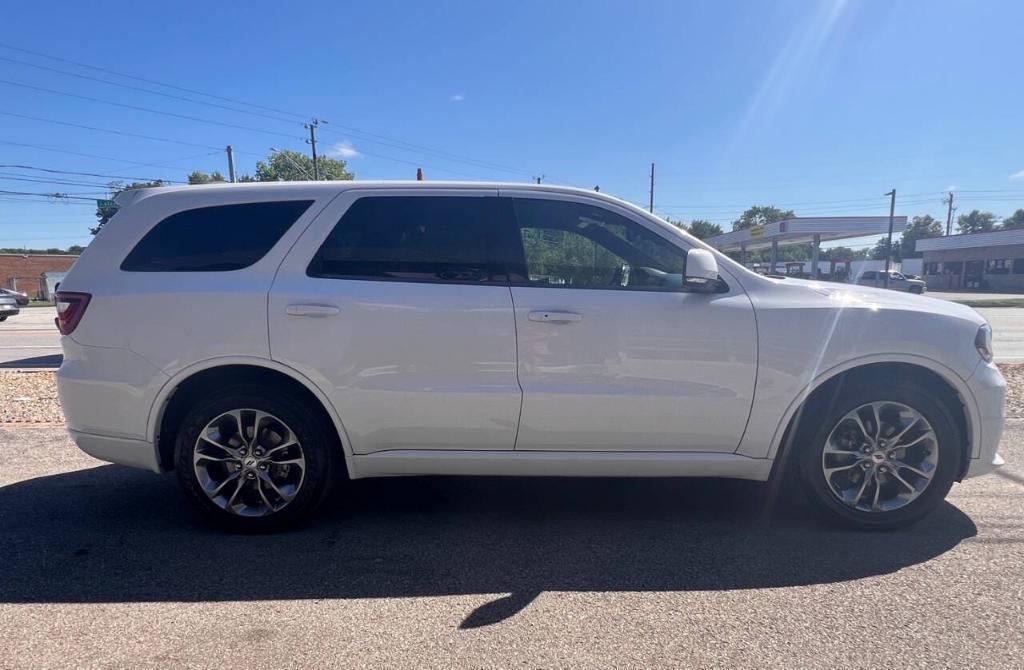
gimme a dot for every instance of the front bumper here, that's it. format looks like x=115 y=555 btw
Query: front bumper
x=989 y=389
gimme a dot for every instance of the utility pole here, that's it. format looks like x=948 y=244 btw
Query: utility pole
x=312 y=143
x=650 y=207
x=949 y=214
x=888 y=248
x=231 y=164
x=539 y=179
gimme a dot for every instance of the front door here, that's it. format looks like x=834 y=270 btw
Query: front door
x=614 y=353
x=398 y=307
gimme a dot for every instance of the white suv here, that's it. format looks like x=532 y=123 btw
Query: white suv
x=267 y=341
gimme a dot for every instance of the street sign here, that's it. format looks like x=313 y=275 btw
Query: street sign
x=106 y=204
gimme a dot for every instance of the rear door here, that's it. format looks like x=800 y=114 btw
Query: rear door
x=396 y=303
x=614 y=354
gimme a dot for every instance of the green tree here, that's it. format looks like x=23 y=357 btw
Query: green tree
x=288 y=165
x=921 y=227
x=844 y=254
x=1015 y=220
x=702 y=229
x=200 y=177
x=878 y=253
x=976 y=222
x=104 y=214
x=759 y=215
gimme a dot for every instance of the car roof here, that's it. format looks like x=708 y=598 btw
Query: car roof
x=125 y=198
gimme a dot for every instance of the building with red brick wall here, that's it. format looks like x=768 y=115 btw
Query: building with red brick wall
x=24 y=272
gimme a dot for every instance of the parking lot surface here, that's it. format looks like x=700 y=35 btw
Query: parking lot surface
x=102 y=566
x=30 y=339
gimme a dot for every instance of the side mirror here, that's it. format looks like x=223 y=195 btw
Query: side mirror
x=701 y=269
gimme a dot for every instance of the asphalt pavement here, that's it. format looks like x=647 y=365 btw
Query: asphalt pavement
x=103 y=566
x=30 y=339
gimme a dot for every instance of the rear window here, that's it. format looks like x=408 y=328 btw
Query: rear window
x=214 y=239
x=417 y=239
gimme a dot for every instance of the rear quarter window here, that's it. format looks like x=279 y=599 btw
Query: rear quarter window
x=214 y=239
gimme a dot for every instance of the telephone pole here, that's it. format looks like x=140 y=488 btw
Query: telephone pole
x=312 y=143
x=539 y=179
x=231 y=163
x=949 y=214
x=888 y=247
x=650 y=207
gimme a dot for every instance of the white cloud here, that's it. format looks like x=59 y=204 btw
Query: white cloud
x=456 y=97
x=344 y=150
x=1017 y=175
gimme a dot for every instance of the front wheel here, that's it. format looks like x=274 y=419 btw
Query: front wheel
x=882 y=458
x=252 y=461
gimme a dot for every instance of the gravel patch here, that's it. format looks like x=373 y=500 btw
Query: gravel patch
x=31 y=397
x=1014 y=375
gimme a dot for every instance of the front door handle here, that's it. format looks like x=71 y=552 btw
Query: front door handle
x=311 y=310
x=555 y=317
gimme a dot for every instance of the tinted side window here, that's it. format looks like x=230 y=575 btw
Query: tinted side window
x=574 y=245
x=416 y=238
x=214 y=239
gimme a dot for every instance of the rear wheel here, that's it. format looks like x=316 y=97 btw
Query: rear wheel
x=252 y=461
x=3 y=318
x=882 y=458
x=916 y=289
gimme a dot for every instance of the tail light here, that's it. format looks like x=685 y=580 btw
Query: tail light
x=70 y=308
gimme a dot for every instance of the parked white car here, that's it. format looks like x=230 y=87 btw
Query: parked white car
x=897 y=281
x=268 y=341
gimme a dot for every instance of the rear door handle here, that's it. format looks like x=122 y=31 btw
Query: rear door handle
x=312 y=310
x=555 y=317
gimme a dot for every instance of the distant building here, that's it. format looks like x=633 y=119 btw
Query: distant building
x=24 y=272
x=991 y=261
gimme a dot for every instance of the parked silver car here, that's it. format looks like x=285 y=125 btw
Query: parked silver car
x=897 y=281
x=8 y=307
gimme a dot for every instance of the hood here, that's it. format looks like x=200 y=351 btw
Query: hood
x=883 y=298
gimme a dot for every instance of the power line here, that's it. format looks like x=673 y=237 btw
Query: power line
x=368 y=136
x=86 y=174
x=143 y=90
x=49 y=195
x=148 y=81
x=124 y=133
x=147 y=109
x=7 y=176
x=106 y=158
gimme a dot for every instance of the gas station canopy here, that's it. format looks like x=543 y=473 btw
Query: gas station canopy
x=806 y=229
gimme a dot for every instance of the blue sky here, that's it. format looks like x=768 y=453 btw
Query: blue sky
x=817 y=106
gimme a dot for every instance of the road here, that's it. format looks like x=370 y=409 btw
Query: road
x=31 y=339
x=104 y=567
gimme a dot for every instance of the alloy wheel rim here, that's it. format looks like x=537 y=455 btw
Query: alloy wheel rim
x=249 y=463
x=880 y=457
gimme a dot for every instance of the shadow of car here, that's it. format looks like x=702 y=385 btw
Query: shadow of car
x=113 y=534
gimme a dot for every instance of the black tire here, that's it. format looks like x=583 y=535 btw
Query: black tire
x=916 y=289
x=319 y=448
x=812 y=442
x=3 y=318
